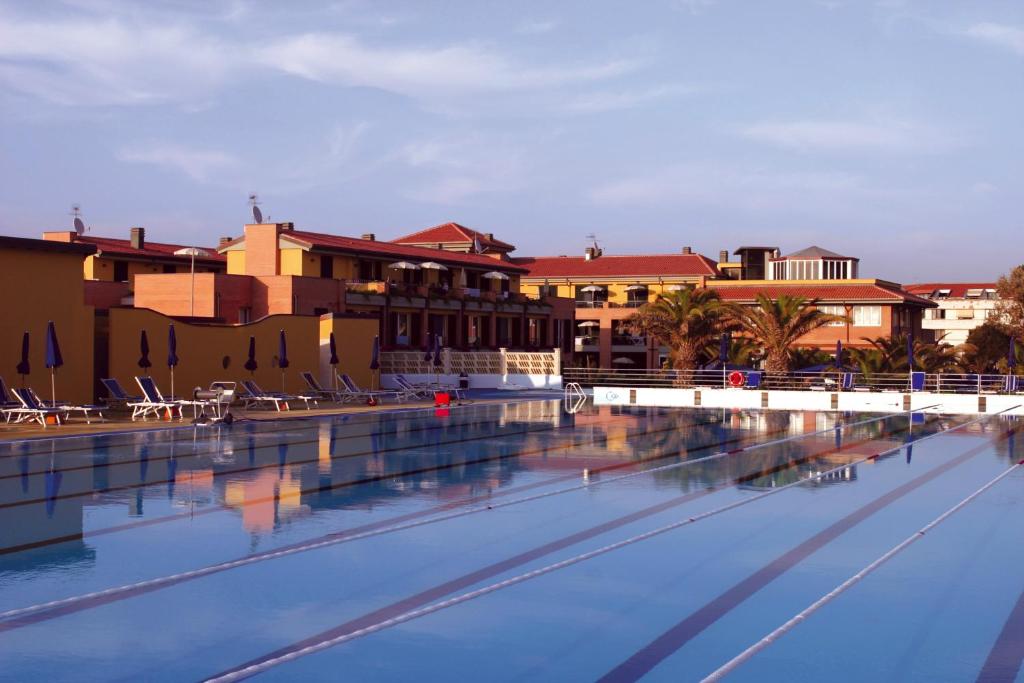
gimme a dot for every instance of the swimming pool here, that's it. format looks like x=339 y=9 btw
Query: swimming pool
x=516 y=541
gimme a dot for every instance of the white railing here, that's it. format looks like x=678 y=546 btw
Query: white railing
x=500 y=362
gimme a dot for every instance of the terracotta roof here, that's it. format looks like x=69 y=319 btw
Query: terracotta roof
x=625 y=267
x=957 y=290
x=354 y=245
x=46 y=245
x=108 y=246
x=814 y=252
x=452 y=232
x=826 y=293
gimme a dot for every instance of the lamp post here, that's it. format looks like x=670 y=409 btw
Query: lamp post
x=193 y=252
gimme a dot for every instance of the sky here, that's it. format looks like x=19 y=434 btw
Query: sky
x=888 y=130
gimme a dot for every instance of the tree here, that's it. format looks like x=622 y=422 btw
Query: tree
x=889 y=354
x=1011 y=307
x=687 y=322
x=778 y=325
x=986 y=348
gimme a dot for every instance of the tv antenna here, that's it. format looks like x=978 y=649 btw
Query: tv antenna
x=254 y=202
x=76 y=211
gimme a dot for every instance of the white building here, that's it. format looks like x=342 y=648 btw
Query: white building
x=962 y=307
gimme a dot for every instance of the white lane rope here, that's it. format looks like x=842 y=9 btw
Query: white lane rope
x=260 y=667
x=785 y=628
x=316 y=545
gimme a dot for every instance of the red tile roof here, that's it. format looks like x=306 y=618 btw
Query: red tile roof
x=452 y=232
x=108 y=246
x=957 y=290
x=353 y=245
x=826 y=293
x=625 y=267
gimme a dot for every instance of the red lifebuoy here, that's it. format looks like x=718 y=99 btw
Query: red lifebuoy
x=737 y=379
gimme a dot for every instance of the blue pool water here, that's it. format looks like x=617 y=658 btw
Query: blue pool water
x=511 y=542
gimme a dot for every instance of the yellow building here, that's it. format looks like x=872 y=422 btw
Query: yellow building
x=43 y=282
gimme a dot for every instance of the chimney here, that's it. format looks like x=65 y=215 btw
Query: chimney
x=224 y=240
x=138 y=238
x=723 y=256
x=287 y=226
x=589 y=253
x=489 y=236
x=60 y=236
x=369 y=236
x=687 y=250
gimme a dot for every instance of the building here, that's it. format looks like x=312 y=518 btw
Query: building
x=111 y=270
x=607 y=289
x=961 y=307
x=472 y=300
x=43 y=282
x=455 y=237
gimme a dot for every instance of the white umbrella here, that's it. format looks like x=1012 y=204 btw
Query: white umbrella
x=675 y=288
x=404 y=265
x=622 y=360
x=431 y=265
x=592 y=288
x=495 y=275
x=193 y=252
x=589 y=323
x=636 y=288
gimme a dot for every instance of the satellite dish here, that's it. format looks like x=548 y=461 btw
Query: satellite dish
x=257 y=215
x=79 y=226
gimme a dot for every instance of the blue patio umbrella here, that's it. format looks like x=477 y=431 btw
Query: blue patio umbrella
x=52 y=480
x=250 y=363
x=144 y=361
x=54 y=359
x=172 y=473
x=172 y=353
x=428 y=354
x=375 y=357
x=910 y=352
x=1011 y=355
x=839 y=354
x=282 y=356
x=23 y=366
x=910 y=446
x=723 y=348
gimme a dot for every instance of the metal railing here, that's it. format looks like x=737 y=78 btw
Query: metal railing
x=797 y=381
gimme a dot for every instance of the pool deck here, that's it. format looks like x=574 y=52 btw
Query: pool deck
x=120 y=421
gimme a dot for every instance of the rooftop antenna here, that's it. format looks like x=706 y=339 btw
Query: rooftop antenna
x=591 y=237
x=257 y=215
x=76 y=211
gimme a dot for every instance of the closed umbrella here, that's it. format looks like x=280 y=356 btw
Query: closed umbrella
x=250 y=363
x=54 y=359
x=144 y=361
x=282 y=356
x=51 y=482
x=1011 y=355
x=910 y=352
x=172 y=353
x=23 y=366
x=723 y=348
x=437 y=359
x=375 y=357
x=332 y=346
x=839 y=354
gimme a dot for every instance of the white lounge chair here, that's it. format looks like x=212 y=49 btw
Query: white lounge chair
x=152 y=400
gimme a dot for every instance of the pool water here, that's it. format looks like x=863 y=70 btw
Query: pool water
x=512 y=542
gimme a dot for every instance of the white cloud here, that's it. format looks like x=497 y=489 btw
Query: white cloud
x=608 y=100
x=537 y=27
x=1000 y=35
x=695 y=6
x=200 y=165
x=890 y=135
x=457 y=169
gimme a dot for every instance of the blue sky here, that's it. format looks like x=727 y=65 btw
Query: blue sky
x=887 y=130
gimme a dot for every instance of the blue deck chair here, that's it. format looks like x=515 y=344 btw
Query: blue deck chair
x=1010 y=386
x=152 y=400
x=317 y=389
x=117 y=394
x=917 y=381
x=846 y=381
x=754 y=379
x=31 y=408
x=256 y=396
x=6 y=396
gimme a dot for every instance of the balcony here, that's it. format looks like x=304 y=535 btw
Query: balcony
x=586 y=343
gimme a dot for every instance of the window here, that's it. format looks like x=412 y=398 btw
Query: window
x=867 y=316
x=168 y=268
x=245 y=314
x=120 y=271
x=834 y=310
x=547 y=290
x=326 y=265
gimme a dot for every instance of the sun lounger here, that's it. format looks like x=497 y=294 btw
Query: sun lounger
x=117 y=395
x=152 y=400
x=355 y=392
x=255 y=396
x=6 y=398
x=426 y=390
x=917 y=381
x=30 y=408
x=754 y=379
x=317 y=389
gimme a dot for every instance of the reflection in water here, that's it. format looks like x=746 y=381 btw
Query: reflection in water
x=268 y=475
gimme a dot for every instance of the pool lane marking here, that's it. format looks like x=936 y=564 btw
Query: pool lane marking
x=801 y=616
x=24 y=615
x=1004 y=660
x=412 y=607
x=670 y=641
x=218 y=508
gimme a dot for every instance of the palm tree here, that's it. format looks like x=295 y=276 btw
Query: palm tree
x=778 y=325
x=889 y=354
x=686 y=322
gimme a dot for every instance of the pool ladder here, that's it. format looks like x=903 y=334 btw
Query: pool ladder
x=574 y=397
